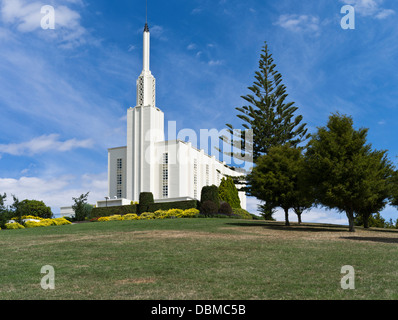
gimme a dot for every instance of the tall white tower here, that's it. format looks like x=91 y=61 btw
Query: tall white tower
x=145 y=127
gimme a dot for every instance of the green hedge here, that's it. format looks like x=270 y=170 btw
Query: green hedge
x=183 y=205
x=110 y=211
x=121 y=210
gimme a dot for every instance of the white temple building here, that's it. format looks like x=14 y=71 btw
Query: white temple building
x=171 y=170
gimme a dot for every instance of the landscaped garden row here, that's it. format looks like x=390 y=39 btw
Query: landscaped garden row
x=159 y=214
x=34 y=222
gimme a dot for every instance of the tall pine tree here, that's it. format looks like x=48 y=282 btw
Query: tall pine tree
x=270 y=117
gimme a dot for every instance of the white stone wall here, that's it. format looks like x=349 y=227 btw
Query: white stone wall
x=113 y=155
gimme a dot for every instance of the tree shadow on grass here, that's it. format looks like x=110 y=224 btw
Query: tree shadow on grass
x=373 y=239
x=318 y=227
x=307 y=227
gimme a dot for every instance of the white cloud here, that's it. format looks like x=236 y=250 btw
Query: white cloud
x=299 y=23
x=27 y=16
x=368 y=8
x=215 y=62
x=57 y=191
x=382 y=14
x=42 y=144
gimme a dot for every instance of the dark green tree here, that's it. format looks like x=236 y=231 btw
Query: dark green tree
x=394 y=189
x=275 y=178
x=33 y=208
x=3 y=199
x=267 y=209
x=146 y=199
x=335 y=160
x=228 y=192
x=268 y=114
x=80 y=207
x=210 y=193
x=378 y=171
x=4 y=213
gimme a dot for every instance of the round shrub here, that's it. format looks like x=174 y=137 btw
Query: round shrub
x=225 y=208
x=244 y=214
x=13 y=226
x=130 y=216
x=147 y=216
x=189 y=213
x=208 y=208
x=210 y=193
x=146 y=198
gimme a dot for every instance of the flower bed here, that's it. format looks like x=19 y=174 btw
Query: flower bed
x=35 y=222
x=160 y=214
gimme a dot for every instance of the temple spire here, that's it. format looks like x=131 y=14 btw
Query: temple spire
x=146 y=45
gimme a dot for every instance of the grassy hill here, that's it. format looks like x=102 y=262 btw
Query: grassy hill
x=198 y=259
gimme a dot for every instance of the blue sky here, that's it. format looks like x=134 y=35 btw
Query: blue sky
x=64 y=92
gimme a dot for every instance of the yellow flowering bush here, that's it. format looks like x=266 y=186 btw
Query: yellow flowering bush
x=189 y=213
x=116 y=217
x=30 y=217
x=32 y=224
x=131 y=216
x=159 y=214
x=175 y=213
x=147 y=216
x=13 y=226
x=46 y=222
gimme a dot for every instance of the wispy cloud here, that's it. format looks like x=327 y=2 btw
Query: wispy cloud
x=26 y=17
x=215 y=62
x=45 y=143
x=299 y=23
x=370 y=8
x=56 y=191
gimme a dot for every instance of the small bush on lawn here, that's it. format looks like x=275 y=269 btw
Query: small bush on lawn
x=208 y=208
x=116 y=217
x=147 y=216
x=244 y=214
x=13 y=226
x=189 y=213
x=130 y=216
x=225 y=208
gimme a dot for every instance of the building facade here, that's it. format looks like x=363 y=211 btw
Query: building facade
x=171 y=170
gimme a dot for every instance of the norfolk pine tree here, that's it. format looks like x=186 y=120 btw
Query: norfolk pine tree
x=268 y=119
x=268 y=114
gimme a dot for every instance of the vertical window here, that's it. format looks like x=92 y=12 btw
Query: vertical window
x=195 y=178
x=207 y=174
x=119 y=178
x=165 y=175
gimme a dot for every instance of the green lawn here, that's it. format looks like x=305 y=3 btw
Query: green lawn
x=202 y=259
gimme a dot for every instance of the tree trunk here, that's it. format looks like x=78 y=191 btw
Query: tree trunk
x=299 y=218
x=366 y=221
x=287 y=223
x=366 y=217
x=350 y=216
